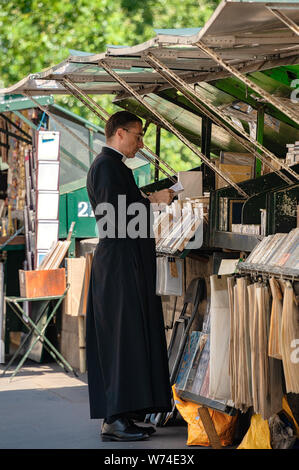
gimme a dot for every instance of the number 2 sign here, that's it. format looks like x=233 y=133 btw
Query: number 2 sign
x=85 y=209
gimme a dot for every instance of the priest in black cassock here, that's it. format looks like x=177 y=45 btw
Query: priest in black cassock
x=127 y=362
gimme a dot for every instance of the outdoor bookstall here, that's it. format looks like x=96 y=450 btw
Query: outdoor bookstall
x=20 y=119
x=228 y=92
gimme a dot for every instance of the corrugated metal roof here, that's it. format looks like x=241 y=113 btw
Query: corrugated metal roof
x=244 y=33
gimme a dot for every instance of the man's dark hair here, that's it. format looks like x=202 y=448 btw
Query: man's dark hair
x=118 y=120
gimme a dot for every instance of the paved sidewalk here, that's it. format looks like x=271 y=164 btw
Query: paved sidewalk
x=45 y=408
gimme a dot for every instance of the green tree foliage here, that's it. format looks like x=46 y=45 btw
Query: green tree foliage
x=37 y=34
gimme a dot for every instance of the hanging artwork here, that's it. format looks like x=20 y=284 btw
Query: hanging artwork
x=290 y=338
x=274 y=344
x=219 y=386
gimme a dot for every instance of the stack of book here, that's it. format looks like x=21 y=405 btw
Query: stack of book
x=256 y=378
x=177 y=224
x=292 y=156
x=57 y=252
x=277 y=253
x=247 y=229
x=55 y=256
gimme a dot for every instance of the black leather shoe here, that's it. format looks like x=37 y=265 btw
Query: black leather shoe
x=122 y=430
x=148 y=429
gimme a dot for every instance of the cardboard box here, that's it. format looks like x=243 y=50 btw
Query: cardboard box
x=192 y=183
x=44 y=283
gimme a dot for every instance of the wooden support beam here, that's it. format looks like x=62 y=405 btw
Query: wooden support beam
x=209 y=426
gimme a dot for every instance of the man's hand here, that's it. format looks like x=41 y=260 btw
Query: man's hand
x=165 y=196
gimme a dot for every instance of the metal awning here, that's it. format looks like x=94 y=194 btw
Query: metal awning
x=250 y=36
x=241 y=38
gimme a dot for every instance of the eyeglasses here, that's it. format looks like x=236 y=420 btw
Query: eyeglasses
x=138 y=135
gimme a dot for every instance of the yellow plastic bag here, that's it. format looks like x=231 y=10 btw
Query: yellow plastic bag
x=258 y=434
x=197 y=436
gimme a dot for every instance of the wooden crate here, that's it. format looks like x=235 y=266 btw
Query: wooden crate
x=237 y=173
x=72 y=341
x=75 y=271
x=45 y=283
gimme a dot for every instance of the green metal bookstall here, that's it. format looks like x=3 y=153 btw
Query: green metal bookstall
x=74 y=205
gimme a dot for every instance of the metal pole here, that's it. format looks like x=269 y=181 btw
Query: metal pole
x=219 y=117
x=158 y=144
x=270 y=98
x=71 y=83
x=90 y=103
x=90 y=140
x=68 y=154
x=14 y=124
x=70 y=86
x=206 y=131
x=170 y=127
x=259 y=136
x=285 y=19
x=43 y=108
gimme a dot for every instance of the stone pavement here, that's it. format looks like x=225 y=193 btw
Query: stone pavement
x=45 y=408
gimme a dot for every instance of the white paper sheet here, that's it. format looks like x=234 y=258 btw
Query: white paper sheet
x=166 y=283
x=47 y=205
x=220 y=387
x=47 y=233
x=228 y=266
x=48 y=176
x=177 y=187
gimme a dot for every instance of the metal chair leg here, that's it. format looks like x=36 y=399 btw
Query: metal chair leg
x=40 y=334
x=31 y=331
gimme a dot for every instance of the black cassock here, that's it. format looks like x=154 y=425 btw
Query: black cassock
x=127 y=363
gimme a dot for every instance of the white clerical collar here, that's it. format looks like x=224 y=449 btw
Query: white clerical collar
x=123 y=156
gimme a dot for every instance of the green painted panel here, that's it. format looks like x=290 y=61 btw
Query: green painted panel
x=79 y=210
x=276 y=81
x=142 y=175
x=276 y=134
x=62 y=216
x=19 y=103
x=74 y=206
